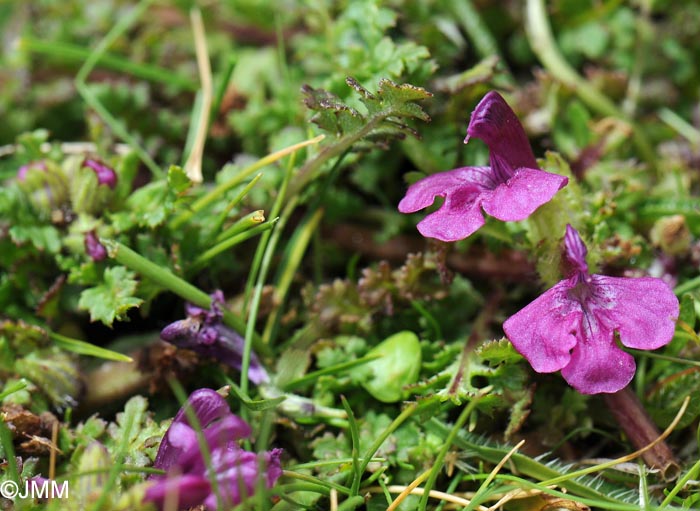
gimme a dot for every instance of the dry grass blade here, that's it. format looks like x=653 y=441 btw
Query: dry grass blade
x=193 y=166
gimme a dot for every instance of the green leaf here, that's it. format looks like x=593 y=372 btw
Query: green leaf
x=150 y=204
x=178 y=180
x=687 y=312
x=498 y=351
x=111 y=299
x=386 y=111
x=85 y=348
x=45 y=238
x=55 y=372
x=398 y=366
x=256 y=405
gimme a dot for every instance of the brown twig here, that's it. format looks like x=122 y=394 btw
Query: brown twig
x=509 y=265
x=641 y=431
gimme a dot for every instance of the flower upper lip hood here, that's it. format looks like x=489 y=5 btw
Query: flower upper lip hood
x=571 y=327
x=511 y=188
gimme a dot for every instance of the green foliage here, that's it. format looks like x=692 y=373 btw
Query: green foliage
x=385 y=111
x=397 y=367
x=113 y=298
x=407 y=331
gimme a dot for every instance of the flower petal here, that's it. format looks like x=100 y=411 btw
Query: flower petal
x=186 y=491
x=542 y=332
x=460 y=214
x=454 y=221
x=208 y=405
x=236 y=475
x=598 y=365
x=494 y=122
x=576 y=249
x=219 y=435
x=642 y=310
x=522 y=194
x=274 y=468
x=467 y=181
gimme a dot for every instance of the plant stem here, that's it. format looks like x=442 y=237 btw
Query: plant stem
x=308 y=171
x=482 y=39
x=222 y=188
x=437 y=465
x=74 y=53
x=91 y=99
x=234 y=240
x=164 y=277
x=539 y=33
x=629 y=413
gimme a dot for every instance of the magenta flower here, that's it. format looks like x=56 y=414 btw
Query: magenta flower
x=188 y=477
x=511 y=188
x=572 y=326
x=105 y=175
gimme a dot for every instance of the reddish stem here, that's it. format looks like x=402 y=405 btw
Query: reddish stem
x=641 y=431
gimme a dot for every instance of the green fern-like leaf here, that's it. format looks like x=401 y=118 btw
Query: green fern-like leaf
x=386 y=112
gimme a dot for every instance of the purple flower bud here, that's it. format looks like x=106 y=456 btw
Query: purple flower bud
x=105 y=175
x=511 y=188
x=93 y=247
x=203 y=331
x=572 y=326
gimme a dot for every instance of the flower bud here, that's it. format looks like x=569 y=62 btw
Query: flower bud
x=94 y=463
x=671 y=234
x=45 y=185
x=105 y=175
x=91 y=185
x=93 y=247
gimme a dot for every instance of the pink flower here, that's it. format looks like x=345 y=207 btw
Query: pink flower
x=511 y=188
x=572 y=326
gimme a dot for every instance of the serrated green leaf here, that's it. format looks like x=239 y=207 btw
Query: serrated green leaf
x=150 y=204
x=111 y=299
x=385 y=111
x=45 y=238
x=498 y=351
x=178 y=180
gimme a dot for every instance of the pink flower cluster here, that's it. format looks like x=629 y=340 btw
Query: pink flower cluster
x=573 y=326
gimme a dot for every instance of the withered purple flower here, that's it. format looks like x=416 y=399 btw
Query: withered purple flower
x=203 y=331
x=572 y=326
x=511 y=188
x=105 y=175
x=188 y=478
